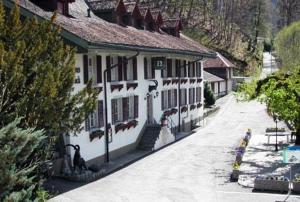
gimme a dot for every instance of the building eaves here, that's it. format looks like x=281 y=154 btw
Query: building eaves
x=208 y=77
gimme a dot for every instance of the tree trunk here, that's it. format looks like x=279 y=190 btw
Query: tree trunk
x=297 y=142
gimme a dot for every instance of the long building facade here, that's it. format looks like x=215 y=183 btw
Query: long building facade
x=148 y=75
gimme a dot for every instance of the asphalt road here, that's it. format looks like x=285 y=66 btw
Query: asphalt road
x=269 y=64
x=194 y=169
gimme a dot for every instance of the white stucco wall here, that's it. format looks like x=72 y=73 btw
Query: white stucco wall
x=96 y=148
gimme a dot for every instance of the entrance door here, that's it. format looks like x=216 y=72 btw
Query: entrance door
x=150 y=109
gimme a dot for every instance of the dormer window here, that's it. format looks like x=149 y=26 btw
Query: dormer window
x=150 y=26
x=138 y=23
x=172 y=27
x=63 y=8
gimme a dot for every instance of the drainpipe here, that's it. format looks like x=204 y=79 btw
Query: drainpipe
x=179 y=95
x=108 y=126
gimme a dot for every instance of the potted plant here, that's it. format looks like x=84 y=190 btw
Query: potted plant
x=235 y=172
x=296 y=183
x=163 y=121
x=239 y=157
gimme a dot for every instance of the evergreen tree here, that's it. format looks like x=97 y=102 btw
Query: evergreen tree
x=37 y=73
x=208 y=96
x=17 y=179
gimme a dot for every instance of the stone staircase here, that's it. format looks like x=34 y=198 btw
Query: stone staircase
x=149 y=138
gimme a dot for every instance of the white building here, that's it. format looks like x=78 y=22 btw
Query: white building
x=216 y=84
x=130 y=45
x=222 y=68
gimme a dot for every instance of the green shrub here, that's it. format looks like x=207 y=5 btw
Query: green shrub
x=208 y=96
x=20 y=160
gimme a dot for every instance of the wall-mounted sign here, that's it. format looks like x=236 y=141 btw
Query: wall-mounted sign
x=159 y=62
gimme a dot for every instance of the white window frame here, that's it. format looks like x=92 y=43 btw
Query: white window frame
x=131 y=107
x=92 y=70
x=120 y=109
x=93 y=120
x=129 y=71
x=114 y=73
x=149 y=68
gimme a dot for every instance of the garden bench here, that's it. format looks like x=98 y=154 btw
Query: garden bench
x=272 y=134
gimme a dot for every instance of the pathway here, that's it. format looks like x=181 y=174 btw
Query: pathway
x=194 y=169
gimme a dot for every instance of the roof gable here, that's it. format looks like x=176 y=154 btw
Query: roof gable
x=219 y=62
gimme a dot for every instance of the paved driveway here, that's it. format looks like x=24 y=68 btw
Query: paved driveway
x=194 y=169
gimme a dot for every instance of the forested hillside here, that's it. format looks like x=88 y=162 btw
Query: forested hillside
x=232 y=27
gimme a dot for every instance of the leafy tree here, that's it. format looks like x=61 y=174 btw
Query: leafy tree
x=281 y=93
x=18 y=179
x=287 y=44
x=208 y=96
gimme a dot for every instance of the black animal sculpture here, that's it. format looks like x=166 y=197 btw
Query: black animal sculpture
x=78 y=161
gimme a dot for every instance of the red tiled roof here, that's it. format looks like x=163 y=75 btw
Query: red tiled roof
x=97 y=31
x=219 y=62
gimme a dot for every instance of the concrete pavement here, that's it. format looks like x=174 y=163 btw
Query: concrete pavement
x=194 y=169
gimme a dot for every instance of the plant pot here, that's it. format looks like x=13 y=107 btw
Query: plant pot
x=164 y=122
x=296 y=186
x=235 y=175
x=239 y=159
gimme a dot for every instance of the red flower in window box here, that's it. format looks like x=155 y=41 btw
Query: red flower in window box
x=199 y=105
x=132 y=85
x=184 y=109
x=168 y=113
x=199 y=80
x=183 y=81
x=166 y=82
x=174 y=110
x=192 y=107
x=120 y=127
x=116 y=86
x=96 y=134
x=192 y=80
x=99 y=89
x=132 y=123
x=175 y=81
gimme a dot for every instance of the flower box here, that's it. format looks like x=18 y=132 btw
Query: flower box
x=166 y=82
x=199 y=105
x=184 y=109
x=98 y=89
x=192 y=80
x=116 y=87
x=175 y=81
x=96 y=134
x=272 y=183
x=199 y=80
x=120 y=127
x=183 y=81
x=174 y=110
x=132 y=124
x=192 y=107
x=167 y=113
x=132 y=85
